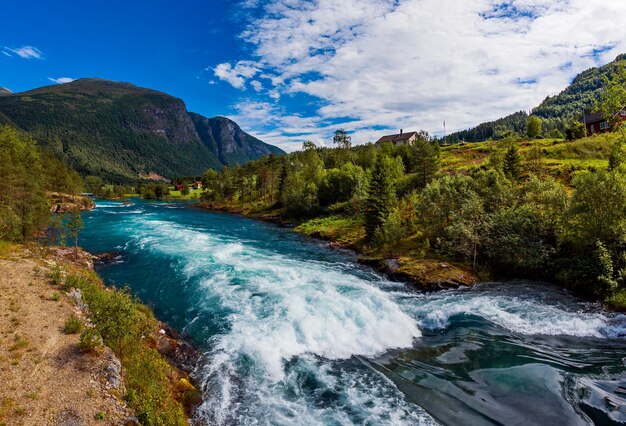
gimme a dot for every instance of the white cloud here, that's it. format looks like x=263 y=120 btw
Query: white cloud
x=61 y=80
x=236 y=75
x=415 y=63
x=4 y=52
x=256 y=85
x=27 y=52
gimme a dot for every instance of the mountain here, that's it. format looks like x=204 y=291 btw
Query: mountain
x=555 y=111
x=4 y=91
x=120 y=131
x=228 y=142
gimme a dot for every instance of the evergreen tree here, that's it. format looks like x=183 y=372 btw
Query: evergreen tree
x=425 y=160
x=381 y=197
x=512 y=162
x=23 y=203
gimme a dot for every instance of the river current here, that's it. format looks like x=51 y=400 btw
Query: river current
x=296 y=333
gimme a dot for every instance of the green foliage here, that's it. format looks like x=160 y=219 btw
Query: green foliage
x=597 y=210
x=616 y=157
x=381 y=196
x=23 y=204
x=519 y=241
x=424 y=160
x=534 y=127
x=575 y=130
x=73 y=226
x=89 y=340
x=613 y=98
x=122 y=323
x=512 y=162
x=72 y=325
x=451 y=211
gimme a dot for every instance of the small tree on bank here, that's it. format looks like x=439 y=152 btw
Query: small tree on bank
x=74 y=224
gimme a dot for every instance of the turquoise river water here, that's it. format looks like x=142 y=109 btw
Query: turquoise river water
x=296 y=333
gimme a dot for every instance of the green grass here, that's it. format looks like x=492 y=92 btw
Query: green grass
x=193 y=194
x=124 y=324
x=72 y=325
x=559 y=157
x=347 y=231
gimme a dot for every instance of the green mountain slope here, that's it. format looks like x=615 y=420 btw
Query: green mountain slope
x=555 y=111
x=118 y=130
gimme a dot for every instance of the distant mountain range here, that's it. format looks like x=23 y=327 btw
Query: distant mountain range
x=555 y=111
x=120 y=131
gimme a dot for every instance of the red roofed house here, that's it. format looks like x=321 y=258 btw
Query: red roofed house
x=399 y=139
x=595 y=123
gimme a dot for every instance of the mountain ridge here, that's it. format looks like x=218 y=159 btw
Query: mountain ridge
x=121 y=131
x=555 y=111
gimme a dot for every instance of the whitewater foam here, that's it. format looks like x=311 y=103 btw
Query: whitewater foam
x=524 y=315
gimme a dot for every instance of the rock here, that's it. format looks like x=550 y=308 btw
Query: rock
x=63 y=203
x=131 y=421
x=424 y=274
x=68 y=418
x=108 y=258
x=77 y=295
x=113 y=372
x=178 y=352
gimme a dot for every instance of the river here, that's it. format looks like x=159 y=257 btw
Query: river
x=297 y=333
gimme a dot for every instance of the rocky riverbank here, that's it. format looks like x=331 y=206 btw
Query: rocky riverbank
x=419 y=273
x=47 y=378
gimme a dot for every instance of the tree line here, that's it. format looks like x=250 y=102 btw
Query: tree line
x=26 y=175
x=504 y=217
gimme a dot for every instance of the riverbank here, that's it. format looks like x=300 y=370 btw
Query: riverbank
x=398 y=262
x=50 y=360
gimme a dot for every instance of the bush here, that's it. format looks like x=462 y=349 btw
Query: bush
x=72 y=325
x=89 y=340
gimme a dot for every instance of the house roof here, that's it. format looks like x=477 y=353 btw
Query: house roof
x=396 y=138
x=596 y=117
x=593 y=118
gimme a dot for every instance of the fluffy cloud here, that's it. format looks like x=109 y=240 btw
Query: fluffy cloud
x=61 y=80
x=26 y=52
x=236 y=75
x=415 y=63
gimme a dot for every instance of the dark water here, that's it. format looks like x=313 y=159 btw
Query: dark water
x=296 y=333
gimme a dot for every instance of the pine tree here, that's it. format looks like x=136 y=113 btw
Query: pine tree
x=381 y=197
x=425 y=160
x=512 y=163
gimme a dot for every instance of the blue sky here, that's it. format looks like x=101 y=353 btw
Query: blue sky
x=292 y=70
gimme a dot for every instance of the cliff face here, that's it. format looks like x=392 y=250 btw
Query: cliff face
x=228 y=142
x=121 y=131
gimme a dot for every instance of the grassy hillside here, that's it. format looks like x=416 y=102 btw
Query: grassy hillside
x=558 y=158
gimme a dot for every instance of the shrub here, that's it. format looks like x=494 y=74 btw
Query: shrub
x=55 y=275
x=89 y=340
x=72 y=325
